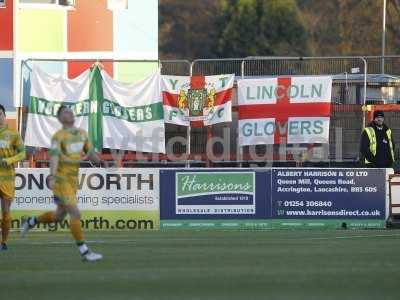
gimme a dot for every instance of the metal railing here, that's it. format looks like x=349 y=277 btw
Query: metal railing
x=389 y=64
x=217 y=66
x=179 y=67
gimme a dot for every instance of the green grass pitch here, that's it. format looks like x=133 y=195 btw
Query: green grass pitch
x=215 y=265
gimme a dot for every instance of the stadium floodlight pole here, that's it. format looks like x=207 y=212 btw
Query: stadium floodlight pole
x=16 y=67
x=241 y=148
x=365 y=87
x=383 y=38
x=188 y=131
x=21 y=98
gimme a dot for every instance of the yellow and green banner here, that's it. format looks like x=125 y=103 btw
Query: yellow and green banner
x=124 y=116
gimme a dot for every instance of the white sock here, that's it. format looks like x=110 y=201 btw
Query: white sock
x=32 y=221
x=83 y=249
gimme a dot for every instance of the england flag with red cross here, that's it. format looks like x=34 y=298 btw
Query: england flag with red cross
x=197 y=101
x=281 y=110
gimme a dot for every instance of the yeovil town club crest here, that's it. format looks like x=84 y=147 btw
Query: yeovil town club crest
x=197 y=104
x=197 y=100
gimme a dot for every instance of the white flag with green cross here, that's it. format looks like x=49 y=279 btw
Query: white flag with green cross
x=126 y=116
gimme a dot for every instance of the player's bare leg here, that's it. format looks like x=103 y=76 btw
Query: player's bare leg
x=77 y=233
x=45 y=218
x=5 y=222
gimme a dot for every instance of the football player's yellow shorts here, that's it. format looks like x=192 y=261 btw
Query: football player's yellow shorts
x=7 y=188
x=65 y=193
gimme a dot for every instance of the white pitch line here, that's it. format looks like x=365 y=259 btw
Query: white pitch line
x=353 y=237
x=194 y=239
x=111 y=241
x=44 y=243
